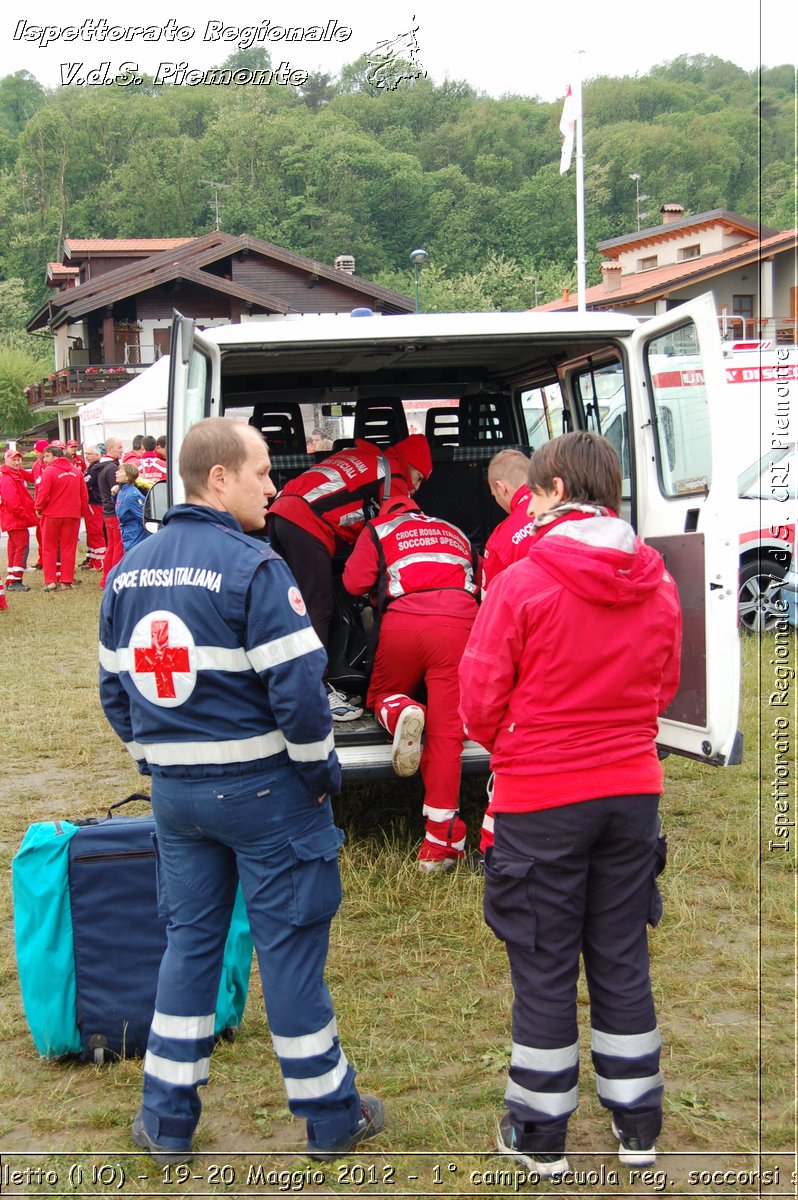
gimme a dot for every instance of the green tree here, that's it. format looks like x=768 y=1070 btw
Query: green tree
x=18 y=369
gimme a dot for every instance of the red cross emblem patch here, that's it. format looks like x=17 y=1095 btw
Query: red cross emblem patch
x=163 y=659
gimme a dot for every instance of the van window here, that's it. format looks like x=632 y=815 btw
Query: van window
x=680 y=412
x=544 y=414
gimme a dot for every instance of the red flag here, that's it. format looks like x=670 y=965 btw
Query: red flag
x=571 y=113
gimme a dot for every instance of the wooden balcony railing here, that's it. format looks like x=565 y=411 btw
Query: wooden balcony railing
x=78 y=385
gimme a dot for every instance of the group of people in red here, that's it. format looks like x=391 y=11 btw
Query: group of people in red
x=68 y=487
x=419 y=572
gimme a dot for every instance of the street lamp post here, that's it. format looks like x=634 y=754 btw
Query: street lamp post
x=418 y=258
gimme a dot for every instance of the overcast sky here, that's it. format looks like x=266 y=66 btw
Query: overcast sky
x=498 y=47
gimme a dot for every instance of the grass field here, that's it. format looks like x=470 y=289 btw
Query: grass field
x=421 y=986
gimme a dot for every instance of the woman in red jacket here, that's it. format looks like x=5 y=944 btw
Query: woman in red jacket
x=61 y=501
x=573 y=656
x=17 y=516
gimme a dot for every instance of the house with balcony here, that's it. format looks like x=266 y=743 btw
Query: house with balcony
x=749 y=268
x=110 y=311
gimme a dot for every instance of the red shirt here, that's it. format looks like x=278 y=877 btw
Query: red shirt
x=509 y=541
x=62 y=491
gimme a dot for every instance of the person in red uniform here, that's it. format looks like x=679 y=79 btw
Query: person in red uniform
x=421 y=569
x=73 y=450
x=509 y=542
x=324 y=509
x=106 y=481
x=16 y=517
x=574 y=654
x=61 y=502
x=37 y=470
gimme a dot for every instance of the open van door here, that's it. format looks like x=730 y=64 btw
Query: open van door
x=685 y=496
x=194 y=364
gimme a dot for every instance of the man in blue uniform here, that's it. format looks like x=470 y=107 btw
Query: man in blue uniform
x=211 y=674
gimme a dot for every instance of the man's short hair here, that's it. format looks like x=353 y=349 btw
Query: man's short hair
x=148 y=444
x=56 y=450
x=137 y=440
x=161 y=441
x=214 y=441
x=510 y=466
x=585 y=462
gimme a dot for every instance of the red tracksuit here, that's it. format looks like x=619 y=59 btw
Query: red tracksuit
x=421 y=567
x=16 y=517
x=62 y=500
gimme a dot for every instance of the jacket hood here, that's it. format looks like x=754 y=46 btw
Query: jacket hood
x=597 y=557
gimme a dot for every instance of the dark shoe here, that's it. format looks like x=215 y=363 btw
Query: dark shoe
x=372 y=1120
x=37 y=567
x=50 y=587
x=546 y=1165
x=17 y=586
x=631 y=1153
x=161 y=1154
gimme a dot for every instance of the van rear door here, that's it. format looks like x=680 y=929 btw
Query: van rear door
x=194 y=364
x=685 y=496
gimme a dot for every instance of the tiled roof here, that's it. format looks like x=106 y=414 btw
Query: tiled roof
x=120 y=245
x=645 y=285
x=654 y=233
x=57 y=268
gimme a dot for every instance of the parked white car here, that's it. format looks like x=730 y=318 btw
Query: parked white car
x=766 y=517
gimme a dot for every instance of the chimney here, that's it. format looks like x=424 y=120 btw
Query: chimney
x=611 y=276
x=566 y=294
x=345 y=262
x=671 y=213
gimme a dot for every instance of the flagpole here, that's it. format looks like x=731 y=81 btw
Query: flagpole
x=581 y=260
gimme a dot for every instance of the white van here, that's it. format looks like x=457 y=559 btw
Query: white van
x=286 y=377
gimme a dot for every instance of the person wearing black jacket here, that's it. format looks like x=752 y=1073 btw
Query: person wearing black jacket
x=106 y=479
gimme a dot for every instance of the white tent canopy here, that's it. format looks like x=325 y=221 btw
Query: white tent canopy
x=136 y=407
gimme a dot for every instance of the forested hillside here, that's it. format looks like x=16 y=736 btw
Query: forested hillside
x=335 y=167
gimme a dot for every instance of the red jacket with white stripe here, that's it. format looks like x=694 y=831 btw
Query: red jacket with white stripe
x=509 y=541
x=330 y=501
x=62 y=491
x=16 y=509
x=406 y=554
x=574 y=654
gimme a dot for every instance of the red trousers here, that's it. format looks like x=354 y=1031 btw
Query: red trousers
x=95 y=536
x=412 y=651
x=59 y=544
x=18 y=542
x=114 y=548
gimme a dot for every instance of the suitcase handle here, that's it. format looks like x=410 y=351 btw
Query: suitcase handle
x=127 y=800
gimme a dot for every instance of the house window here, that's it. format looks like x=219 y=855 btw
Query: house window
x=693 y=251
x=647 y=264
x=743 y=306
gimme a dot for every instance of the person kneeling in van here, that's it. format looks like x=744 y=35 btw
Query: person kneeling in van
x=420 y=567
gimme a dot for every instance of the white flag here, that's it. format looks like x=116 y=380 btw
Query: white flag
x=571 y=113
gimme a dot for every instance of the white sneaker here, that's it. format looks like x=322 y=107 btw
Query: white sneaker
x=340 y=708
x=435 y=866
x=631 y=1153
x=406 y=753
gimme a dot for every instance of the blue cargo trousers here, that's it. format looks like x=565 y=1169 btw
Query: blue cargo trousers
x=560 y=882
x=268 y=831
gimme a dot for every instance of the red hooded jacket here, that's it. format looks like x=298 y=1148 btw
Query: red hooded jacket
x=574 y=654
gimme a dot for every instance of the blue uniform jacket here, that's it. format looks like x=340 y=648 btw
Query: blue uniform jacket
x=209 y=665
x=129 y=510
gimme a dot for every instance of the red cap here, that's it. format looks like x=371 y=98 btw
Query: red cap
x=73 y=443
x=42 y=444
x=415 y=451
x=9 y=454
